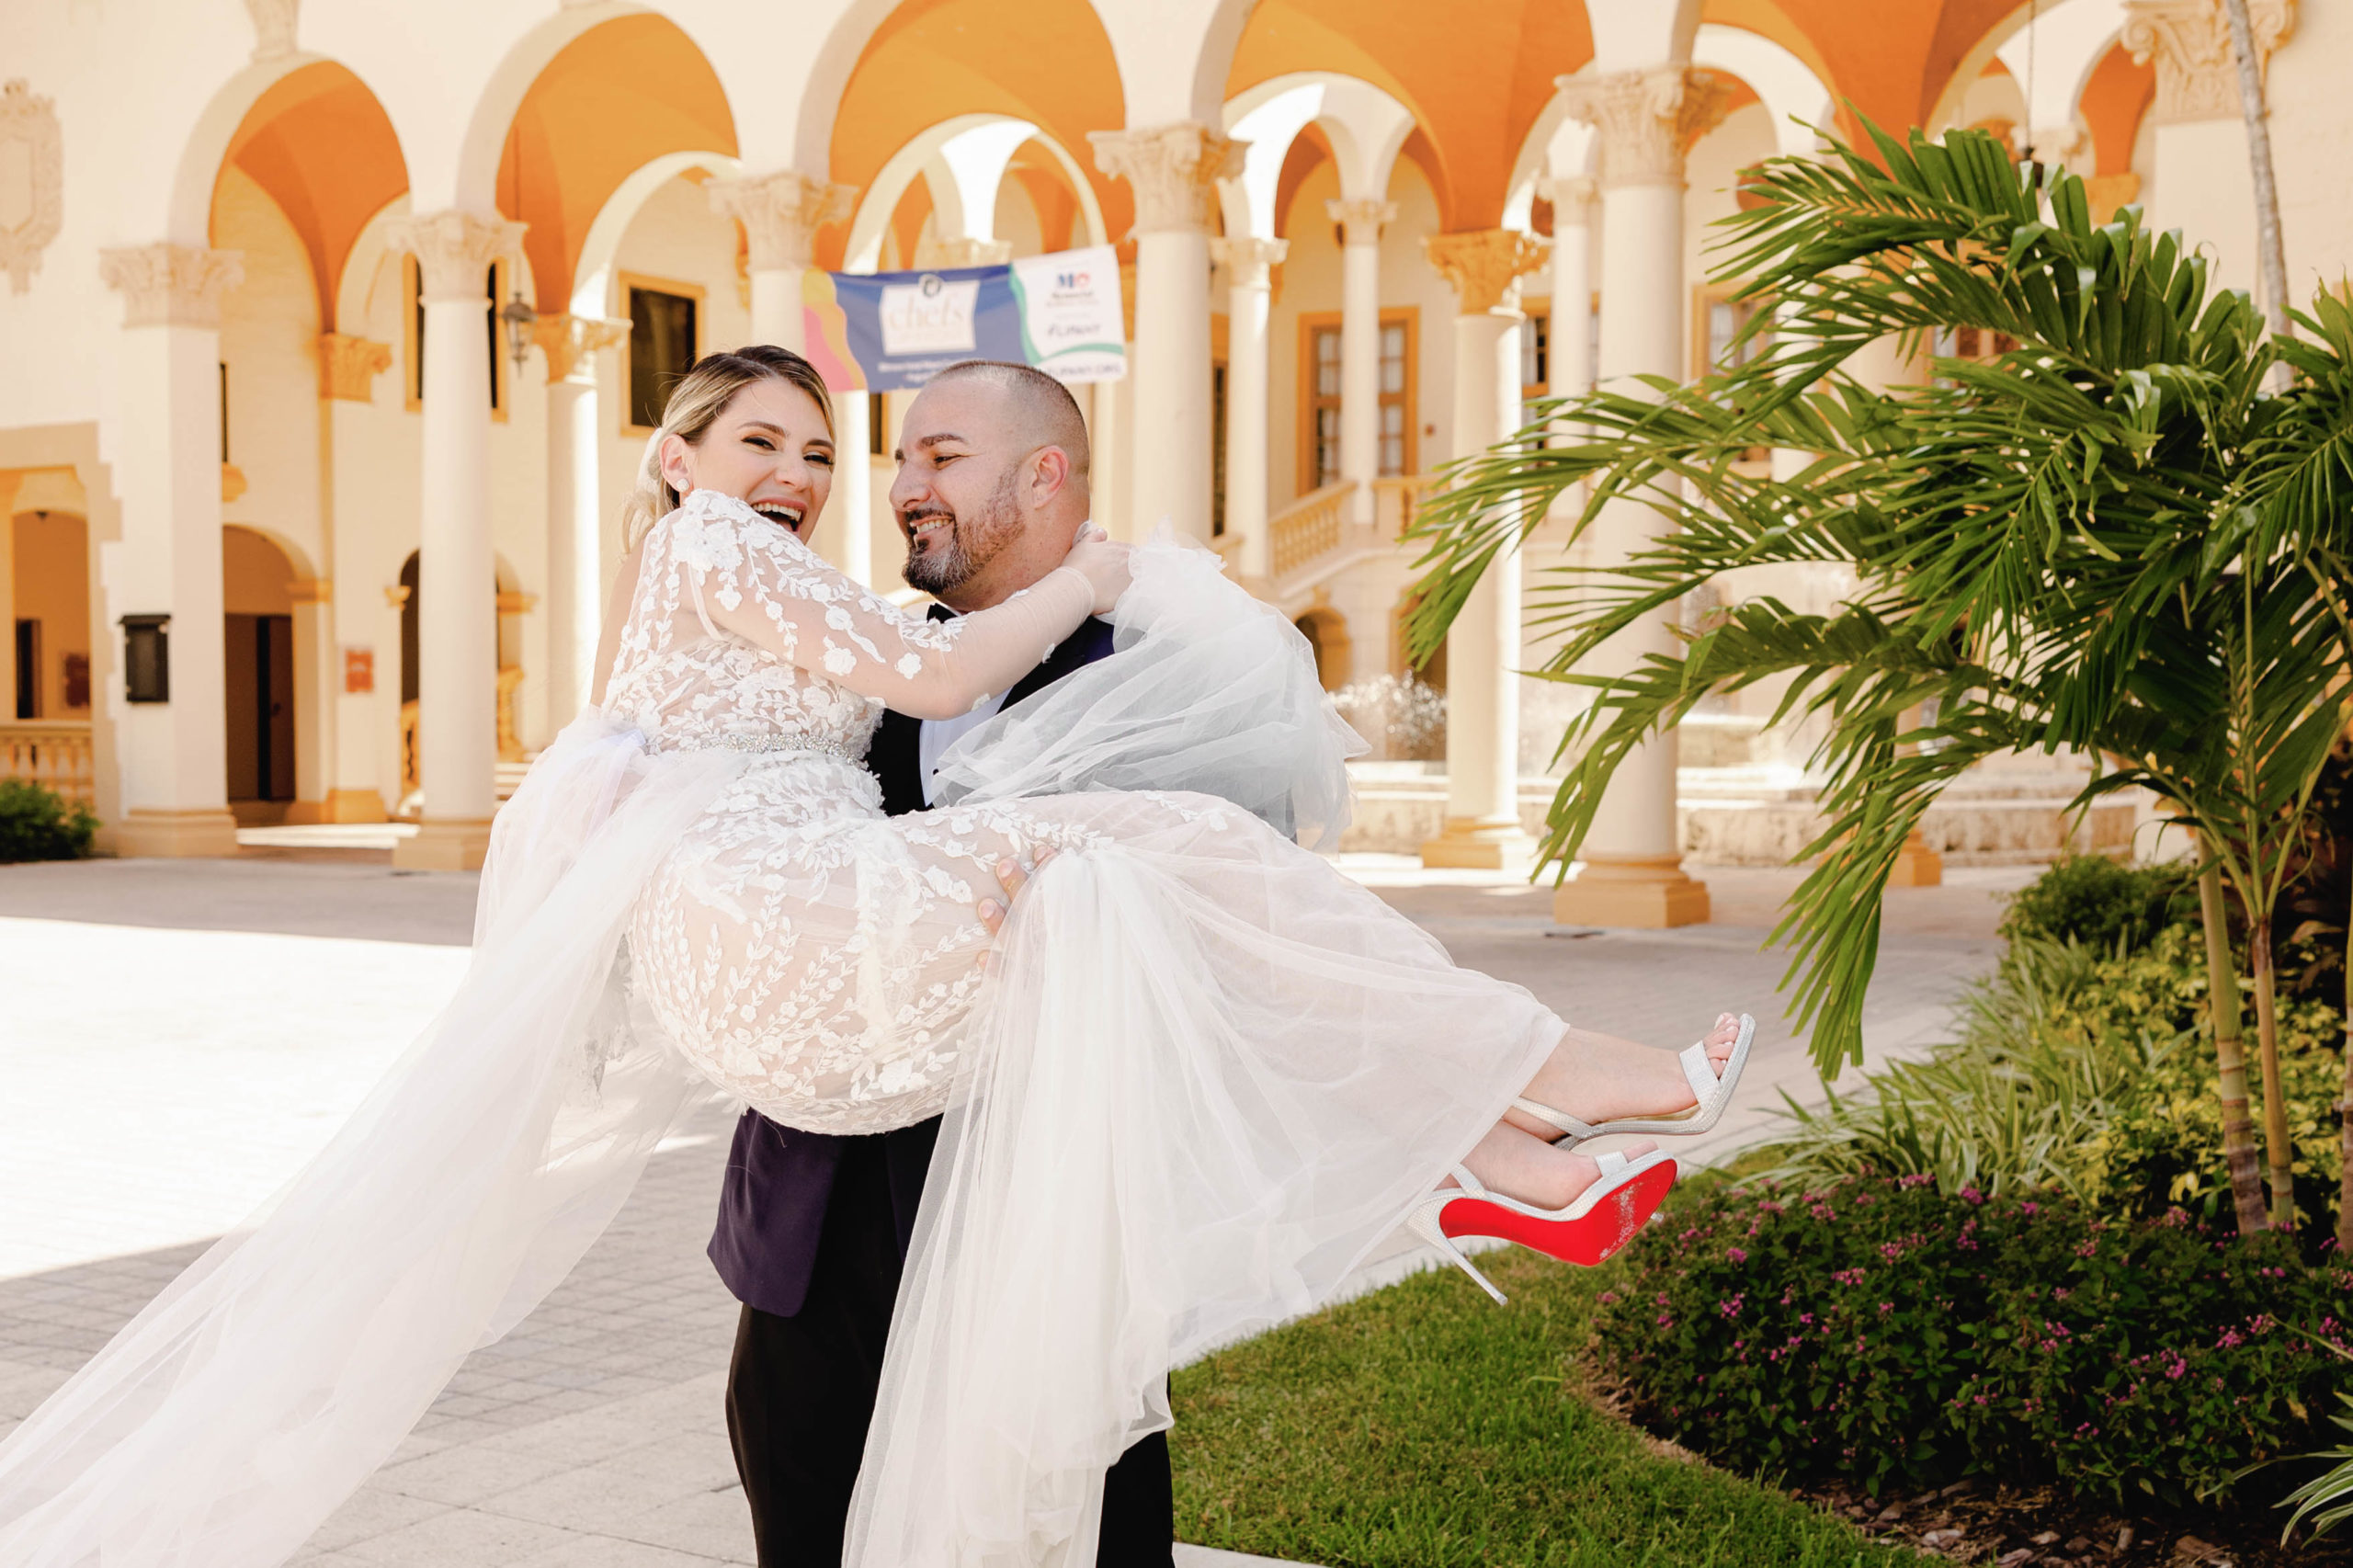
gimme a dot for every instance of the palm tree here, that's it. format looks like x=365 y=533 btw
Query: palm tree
x=2059 y=548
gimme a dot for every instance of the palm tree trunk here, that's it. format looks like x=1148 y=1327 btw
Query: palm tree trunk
x=2271 y=246
x=2230 y=1051
x=2276 y=1142
x=2345 y=1111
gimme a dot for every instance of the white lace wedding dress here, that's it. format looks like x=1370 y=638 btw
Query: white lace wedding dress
x=1204 y=1074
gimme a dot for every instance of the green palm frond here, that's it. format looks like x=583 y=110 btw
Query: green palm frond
x=2106 y=538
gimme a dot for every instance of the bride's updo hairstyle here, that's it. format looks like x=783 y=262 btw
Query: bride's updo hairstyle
x=701 y=395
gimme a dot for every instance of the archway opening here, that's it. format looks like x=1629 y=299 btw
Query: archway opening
x=258 y=675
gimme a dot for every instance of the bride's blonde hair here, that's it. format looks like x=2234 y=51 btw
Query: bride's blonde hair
x=701 y=395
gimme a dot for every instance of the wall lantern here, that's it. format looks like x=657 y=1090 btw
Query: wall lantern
x=147 y=658
x=516 y=317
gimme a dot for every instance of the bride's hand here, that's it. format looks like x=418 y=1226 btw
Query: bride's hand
x=1103 y=563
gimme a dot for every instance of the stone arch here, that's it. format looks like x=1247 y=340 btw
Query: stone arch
x=1365 y=127
x=1326 y=630
x=609 y=99
x=593 y=265
x=928 y=74
x=1945 y=106
x=1475 y=81
x=921 y=157
x=319 y=142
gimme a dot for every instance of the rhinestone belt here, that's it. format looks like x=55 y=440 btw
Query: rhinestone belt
x=770 y=744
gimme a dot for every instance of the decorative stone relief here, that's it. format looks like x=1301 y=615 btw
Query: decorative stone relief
x=573 y=343
x=1361 y=219
x=2198 y=78
x=348 y=366
x=1252 y=261
x=171 y=285
x=454 y=250
x=782 y=213
x=30 y=215
x=273 y=27
x=1486 y=266
x=1647 y=120
x=1173 y=169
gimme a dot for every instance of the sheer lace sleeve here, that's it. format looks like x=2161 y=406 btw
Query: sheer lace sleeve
x=750 y=577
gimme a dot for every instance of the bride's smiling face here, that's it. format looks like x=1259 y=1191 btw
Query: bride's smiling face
x=768 y=447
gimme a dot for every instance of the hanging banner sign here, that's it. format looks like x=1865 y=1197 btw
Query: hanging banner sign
x=894 y=331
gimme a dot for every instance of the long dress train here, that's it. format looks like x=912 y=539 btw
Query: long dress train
x=1204 y=1075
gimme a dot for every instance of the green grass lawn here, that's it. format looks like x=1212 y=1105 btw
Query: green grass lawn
x=1423 y=1427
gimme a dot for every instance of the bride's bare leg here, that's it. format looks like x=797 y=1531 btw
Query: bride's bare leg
x=1521 y=1165
x=1597 y=1076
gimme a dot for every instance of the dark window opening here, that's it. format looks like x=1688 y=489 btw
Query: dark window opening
x=661 y=337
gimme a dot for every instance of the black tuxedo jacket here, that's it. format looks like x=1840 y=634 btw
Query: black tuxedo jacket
x=772 y=1209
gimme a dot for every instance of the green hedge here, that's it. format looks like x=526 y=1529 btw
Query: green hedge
x=1880 y=1332
x=40 y=824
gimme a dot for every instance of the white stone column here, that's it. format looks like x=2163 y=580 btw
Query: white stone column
x=457 y=730
x=1250 y=264
x=1174 y=170
x=1483 y=652
x=1633 y=874
x=845 y=531
x=2203 y=184
x=575 y=598
x=348 y=366
x=1569 y=372
x=174 y=755
x=782 y=213
x=1360 y=221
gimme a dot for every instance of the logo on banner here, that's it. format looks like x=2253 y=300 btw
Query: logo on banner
x=930 y=315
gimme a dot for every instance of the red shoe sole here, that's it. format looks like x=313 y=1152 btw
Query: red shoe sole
x=1589 y=1239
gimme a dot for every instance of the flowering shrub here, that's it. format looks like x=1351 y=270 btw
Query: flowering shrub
x=1881 y=1332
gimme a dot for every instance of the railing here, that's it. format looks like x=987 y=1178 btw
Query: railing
x=1395 y=501
x=53 y=753
x=1308 y=527
x=510 y=746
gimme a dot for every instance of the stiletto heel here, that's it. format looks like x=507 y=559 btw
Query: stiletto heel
x=1712 y=1090
x=1604 y=1218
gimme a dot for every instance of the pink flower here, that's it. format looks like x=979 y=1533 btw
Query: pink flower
x=1736 y=1255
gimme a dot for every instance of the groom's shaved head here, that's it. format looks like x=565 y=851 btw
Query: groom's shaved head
x=1039 y=408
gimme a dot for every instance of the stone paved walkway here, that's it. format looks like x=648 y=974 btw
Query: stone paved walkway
x=178 y=1037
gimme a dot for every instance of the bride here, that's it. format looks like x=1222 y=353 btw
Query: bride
x=1202 y=1075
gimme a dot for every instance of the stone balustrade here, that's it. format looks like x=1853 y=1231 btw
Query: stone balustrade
x=1308 y=527
x=53 y=753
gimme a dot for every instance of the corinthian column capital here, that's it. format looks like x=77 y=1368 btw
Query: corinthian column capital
x=1646 y=120
x=171 y=285
x=2196 y=74
x=1250 y=260
x=348 y=366
x=1569 y=194
x=1486 y=266
x=782 y=213
x=1173 y=169
x=571 y=344
x=1361 y=218
x=454 y=250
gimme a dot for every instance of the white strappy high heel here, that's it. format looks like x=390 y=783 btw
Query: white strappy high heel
x=1604 y=1217
x=1714 y=1093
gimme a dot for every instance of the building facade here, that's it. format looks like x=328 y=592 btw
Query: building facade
x=332 y=331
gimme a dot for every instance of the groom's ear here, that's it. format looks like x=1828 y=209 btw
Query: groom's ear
x=1049 y=473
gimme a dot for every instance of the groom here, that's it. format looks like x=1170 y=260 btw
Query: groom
x=814 y=1230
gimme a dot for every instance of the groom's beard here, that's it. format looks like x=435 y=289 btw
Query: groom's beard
x=957 y=552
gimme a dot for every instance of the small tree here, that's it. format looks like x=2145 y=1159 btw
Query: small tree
x=2073 y=545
